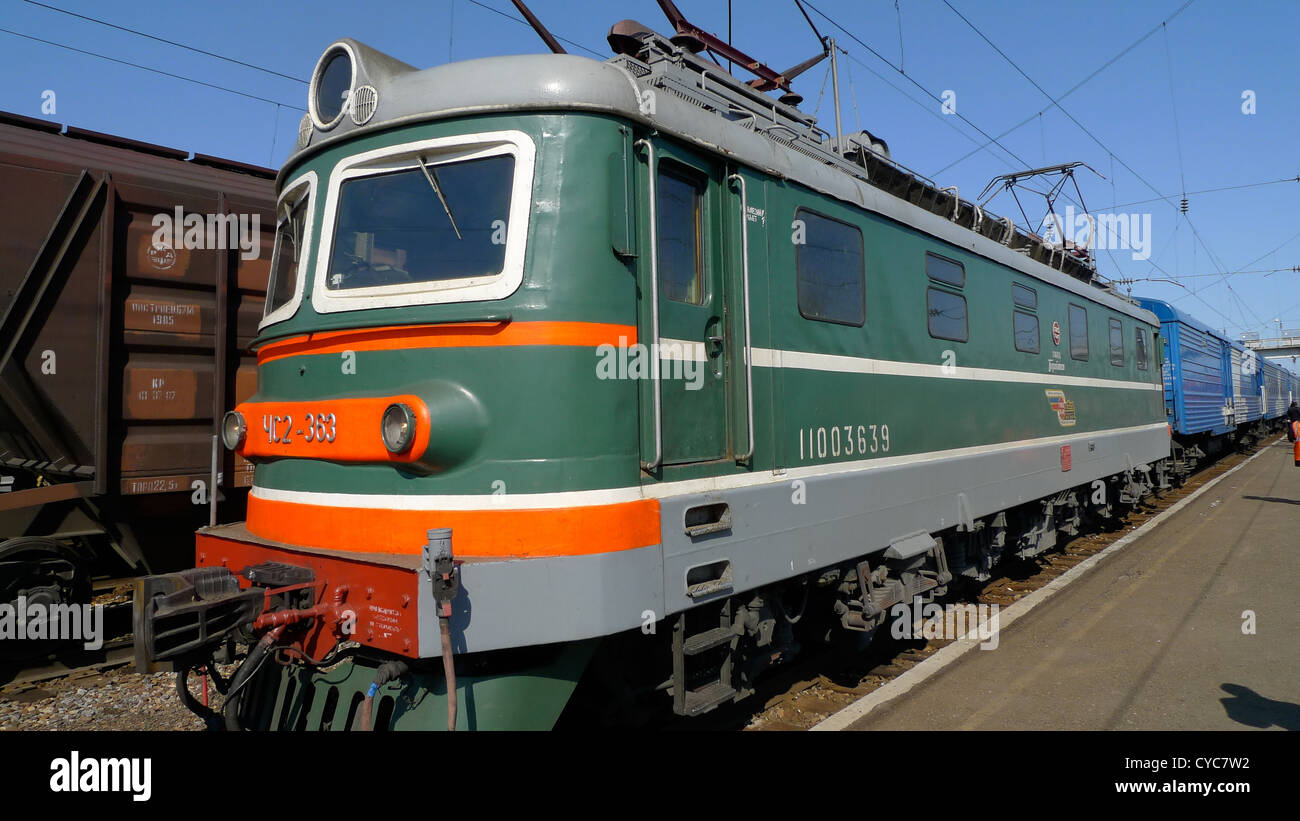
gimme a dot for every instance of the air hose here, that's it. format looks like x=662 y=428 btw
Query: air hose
x=388 y=671
x=203 y=711
x=245 y=674
x=448 y=668
x=440 y=569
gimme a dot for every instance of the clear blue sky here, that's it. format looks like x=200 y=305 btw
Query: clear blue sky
x=1214 y=50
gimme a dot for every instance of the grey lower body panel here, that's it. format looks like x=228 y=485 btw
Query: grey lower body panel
x=777 y=531
x=523 y=602
x=780 y=530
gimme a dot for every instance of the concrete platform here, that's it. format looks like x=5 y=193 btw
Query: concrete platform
x=1152 y=637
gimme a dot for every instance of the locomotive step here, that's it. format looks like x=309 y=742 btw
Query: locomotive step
x=709 y=639
x=707 y=697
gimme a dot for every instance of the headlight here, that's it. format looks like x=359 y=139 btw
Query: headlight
x=331 y=83
x=233 y=429
x=398 y=427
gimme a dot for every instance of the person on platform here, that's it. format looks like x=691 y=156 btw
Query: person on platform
x=1292 y=416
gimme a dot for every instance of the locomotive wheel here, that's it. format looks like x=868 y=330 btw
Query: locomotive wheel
x=43 y=572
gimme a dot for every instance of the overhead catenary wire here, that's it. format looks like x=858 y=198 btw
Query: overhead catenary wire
x=1211 y=191
x=1173 y=102
x=908 y=77
x=275 y=133
x=927 y=108
x=451 y=27
x=1179 y=210
x=155 y=38
x=1279 y=247
x=992 y=141
x=1056 y=102
x=853 y=97
x=524 y=22
x=173 y=75
x=1121 y=54
x=1126 y=280
x=822 y=91
x=902 y=63
x=1223 y=277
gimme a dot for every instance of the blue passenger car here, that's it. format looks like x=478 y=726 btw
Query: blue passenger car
x=1275 y=395
x=1247 y=380
x=1199 y=391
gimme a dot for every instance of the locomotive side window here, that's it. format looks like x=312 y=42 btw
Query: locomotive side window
x=945 y=270
x=945 y=309
x=1140 y=340
x=1025 y=319
x=947 y=314
x=1024 y=297
x=289 y=255
x=1026 y=332
x=427 y=223
x=1116 y=343
x=831 y=270
x=679 y=207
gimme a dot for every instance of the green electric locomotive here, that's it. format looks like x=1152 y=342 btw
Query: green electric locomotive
x=624 y=376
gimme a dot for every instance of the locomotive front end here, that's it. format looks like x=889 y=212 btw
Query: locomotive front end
x=433 y=448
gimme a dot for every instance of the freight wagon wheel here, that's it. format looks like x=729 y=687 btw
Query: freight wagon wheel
x=42 y=572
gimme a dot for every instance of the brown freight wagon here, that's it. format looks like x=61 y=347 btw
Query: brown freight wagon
x=118 y=353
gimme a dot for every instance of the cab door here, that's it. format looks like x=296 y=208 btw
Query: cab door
x=684 y=323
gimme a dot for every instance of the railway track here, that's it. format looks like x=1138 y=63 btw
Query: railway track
x=117 y=653
x=827 y=679
x=115 y=596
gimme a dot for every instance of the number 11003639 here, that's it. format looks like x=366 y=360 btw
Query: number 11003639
x=843 y=440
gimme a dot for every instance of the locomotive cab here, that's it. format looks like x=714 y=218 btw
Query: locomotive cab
x=445 y=270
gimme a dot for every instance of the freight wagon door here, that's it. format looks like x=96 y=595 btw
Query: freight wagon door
x=684 y=227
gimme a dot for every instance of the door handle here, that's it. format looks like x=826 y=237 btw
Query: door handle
x=717 y=341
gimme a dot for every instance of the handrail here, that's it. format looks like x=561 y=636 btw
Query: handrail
x=652 y=465
x=749 y=348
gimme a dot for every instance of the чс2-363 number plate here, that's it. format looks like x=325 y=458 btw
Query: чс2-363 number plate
x=314 y=427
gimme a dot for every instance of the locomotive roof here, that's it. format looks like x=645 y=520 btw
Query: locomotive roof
x=738 y=123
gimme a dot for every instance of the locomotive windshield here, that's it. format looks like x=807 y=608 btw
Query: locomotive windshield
x=428 y=223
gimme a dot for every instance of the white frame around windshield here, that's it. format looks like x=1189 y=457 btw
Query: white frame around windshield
x=290 y=308
x=436 y=152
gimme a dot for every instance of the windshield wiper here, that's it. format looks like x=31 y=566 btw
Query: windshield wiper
x=432 y=177
x=293 y=227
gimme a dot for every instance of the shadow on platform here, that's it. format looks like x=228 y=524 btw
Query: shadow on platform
x=1245 y=706
x=1273 y=499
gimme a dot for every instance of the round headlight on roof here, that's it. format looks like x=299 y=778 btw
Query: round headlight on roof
x=331 y=84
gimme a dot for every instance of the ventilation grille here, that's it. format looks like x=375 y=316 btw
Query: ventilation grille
x=304 y=131
x=636 y=68
x=364 y=102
